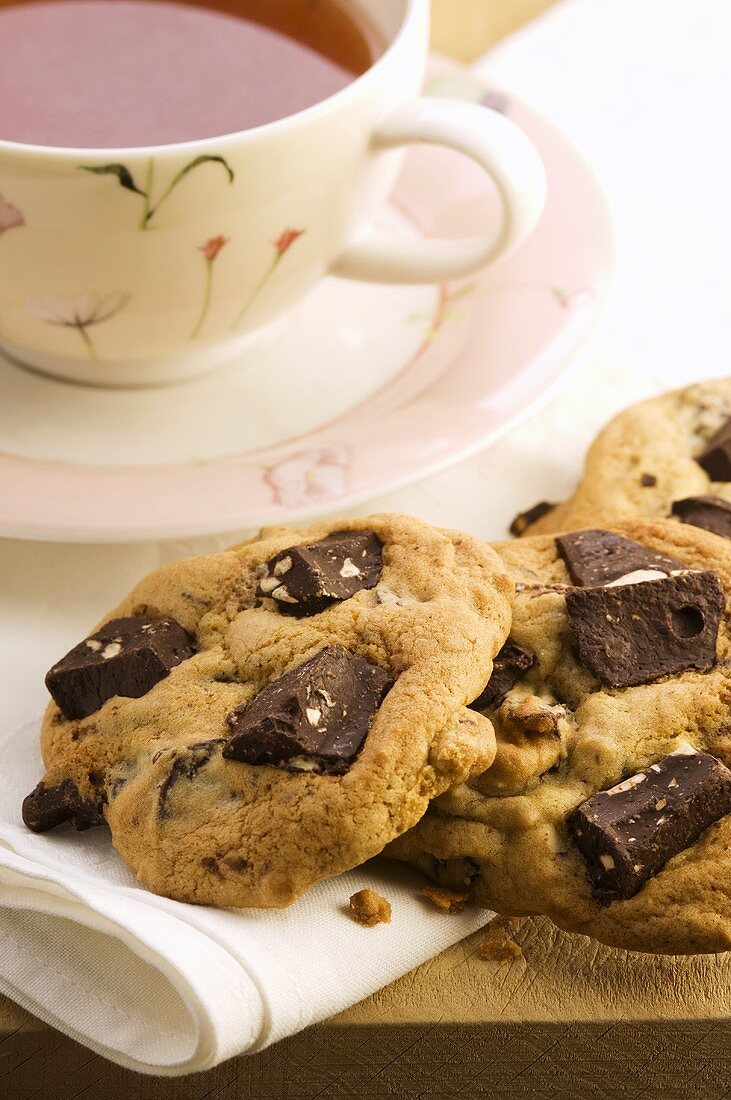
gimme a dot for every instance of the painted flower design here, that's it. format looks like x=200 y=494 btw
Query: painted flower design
x=10 y=216
x=213 y=246
x=286 y=239
x=449 y=307
x=210 y=251
x=281 y=247
x=573 y=299
x=152 y=197
x=309 y=477
x=80 y=313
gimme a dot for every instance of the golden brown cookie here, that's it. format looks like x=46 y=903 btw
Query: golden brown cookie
x=619 y=656
x=648 y=459
x=300 y=699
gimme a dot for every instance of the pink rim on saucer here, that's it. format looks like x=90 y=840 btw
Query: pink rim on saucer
x=490 y=350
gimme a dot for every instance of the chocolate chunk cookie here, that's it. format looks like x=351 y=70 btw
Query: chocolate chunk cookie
x=608 y=806
x=240 y=752
x=669 y=456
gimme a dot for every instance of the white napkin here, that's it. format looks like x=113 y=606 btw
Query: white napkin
x=166 y=988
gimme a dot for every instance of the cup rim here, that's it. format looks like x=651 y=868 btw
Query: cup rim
x=324 y=106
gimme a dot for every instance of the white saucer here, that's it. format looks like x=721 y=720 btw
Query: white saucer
x=368 y=387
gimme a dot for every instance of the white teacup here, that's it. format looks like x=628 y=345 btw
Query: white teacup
x=142 y=266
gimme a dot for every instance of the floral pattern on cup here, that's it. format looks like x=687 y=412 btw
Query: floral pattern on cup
x=210 y=251
x=281 y=246
x=81 y=313
x=151 y=202
x=309 y=477
x=10 y=216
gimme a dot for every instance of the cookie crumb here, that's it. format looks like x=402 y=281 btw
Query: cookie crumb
x=369 y=908
x=502 y=924
x=493 y=951
x=449 y=901
x=499 y=947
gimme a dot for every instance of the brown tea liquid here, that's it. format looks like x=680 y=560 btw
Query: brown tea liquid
x=114 y=73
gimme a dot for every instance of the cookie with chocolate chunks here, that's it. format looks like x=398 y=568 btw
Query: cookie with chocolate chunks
x=314 y=718
x=125 y=657
x=304 y=580
x=710 y=513
x=600 y=557
x=636 y=633
x=283 y=749
x=672 y=447
x=628 y=833
x=607 y=806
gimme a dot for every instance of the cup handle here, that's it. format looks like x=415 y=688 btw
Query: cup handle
x=498 y=146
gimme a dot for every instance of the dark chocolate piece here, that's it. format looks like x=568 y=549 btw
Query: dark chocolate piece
x=126 y=657
x=510 y=666
x=710 y=513
x=636 y=633
x=185 y=764
x=716 y=458
x=314 y=718
x=628 y=833
x=526 y=519
x=47 y=807
x=648 y=481
x=304 y=580
x=599 y=557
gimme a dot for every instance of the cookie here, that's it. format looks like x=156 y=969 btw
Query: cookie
x=669 y=456
x=608 y=806
x=250 y=722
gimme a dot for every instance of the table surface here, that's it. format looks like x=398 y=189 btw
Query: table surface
x=643 y=92
x=603 y=1023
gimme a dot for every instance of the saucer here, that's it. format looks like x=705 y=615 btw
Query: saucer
x=366 y=389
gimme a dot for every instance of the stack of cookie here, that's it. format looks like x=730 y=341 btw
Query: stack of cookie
x=607 y=805
x=545 y=723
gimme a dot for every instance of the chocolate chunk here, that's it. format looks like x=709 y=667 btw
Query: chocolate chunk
x=526 y=519
x=47 y=807
x=716 y=459
x=648 y=481
x=599 y=557
x=710 y=513
x=186 y=763
x=126 y=657
x=314 y=718
x=636 y=633
x=510 y=666
x=628 y=833
x=306 y=579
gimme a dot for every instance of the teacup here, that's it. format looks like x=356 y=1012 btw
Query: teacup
x=141 y=266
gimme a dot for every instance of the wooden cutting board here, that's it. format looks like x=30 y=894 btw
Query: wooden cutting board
x=568 y=1018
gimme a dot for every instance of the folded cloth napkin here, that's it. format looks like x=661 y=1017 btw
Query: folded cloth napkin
x=166 y=988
